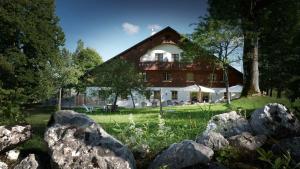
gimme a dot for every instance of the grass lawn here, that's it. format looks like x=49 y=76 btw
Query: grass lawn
x=182 y=122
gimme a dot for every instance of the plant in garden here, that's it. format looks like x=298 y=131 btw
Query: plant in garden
x=227 y=155
x=284 y=162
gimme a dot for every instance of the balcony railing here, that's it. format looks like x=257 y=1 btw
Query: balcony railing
x=156 y=65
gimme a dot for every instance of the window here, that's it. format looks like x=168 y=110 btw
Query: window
x=174 y=95
x=213 y=77
x=156 y=94
x=159 y=57
x=189 y=77
x=175 y=57
x=167 y=76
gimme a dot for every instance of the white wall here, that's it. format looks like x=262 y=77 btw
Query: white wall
x=166 y=49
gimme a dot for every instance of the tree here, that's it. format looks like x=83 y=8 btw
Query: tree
x=67 y=73
x=221 y=39
x=30 y=38
x=279 y=45
x=244 y=13
x=119 y=78
x=85 y=59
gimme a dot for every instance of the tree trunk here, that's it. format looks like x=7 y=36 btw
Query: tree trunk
x=250 y=65
x=279 y=91
x=227 y=85
x=133 y=104
x=271 y=92
x=114 y=106
x=160 y=104
x=59 y=99
x=254 y=87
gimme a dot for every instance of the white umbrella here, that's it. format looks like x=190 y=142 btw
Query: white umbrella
x=206 y=90
x=233 y=89
x=197 y=88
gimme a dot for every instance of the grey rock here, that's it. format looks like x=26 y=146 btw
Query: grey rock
x=274 y=120
x=184 y=154
x=228 y=124
x=291 y=145
x=213 y=140
x=28 y=163
x=3 y=165
x=13 y=154
x=10 y=137
x=76 y=141
x=247 y=141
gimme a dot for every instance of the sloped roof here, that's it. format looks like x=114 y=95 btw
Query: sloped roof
x=168 y=30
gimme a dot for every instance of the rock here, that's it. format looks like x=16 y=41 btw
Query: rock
x=3 y=165
x=213 y=140
x=291 y=145
x=13 y=154
x=228 y=124
x=184 y=154
x=76 y=141
x=274 y=120
x=247 y=141
x=10 y=137
x=28 y=163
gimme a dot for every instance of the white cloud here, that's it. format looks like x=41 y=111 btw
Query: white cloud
x=130 y=29
x=154 y=27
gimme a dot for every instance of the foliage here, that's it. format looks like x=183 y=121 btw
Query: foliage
x=67 y=73
x=30 y=38
x=219 y=38
x=85 y=60
x=228 y=155
x=284 y=162
x=280 y=45
x=118 y=78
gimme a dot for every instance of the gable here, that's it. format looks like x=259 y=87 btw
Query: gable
x=165 y=36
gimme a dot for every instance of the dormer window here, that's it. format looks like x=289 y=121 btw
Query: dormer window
x=159 y=57
x=175 y=57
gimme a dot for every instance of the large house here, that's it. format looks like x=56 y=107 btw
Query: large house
x=158 y=58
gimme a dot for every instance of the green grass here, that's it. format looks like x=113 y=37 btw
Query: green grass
x=186 y=122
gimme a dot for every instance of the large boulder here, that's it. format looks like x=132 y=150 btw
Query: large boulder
x=213 y=140
x=28 y=163
x=76 y=141
x=274 y=120
x=291 y=145
x=228 y=124
x=246 y=141
x=181 y=155
x=10 y=137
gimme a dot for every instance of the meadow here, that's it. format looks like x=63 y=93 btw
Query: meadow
x=145 y=126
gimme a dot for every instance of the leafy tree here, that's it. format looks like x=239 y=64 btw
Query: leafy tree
x=244 y=13
x=30 y=38
x=86 y=59
x=119 y=78
x=67 y=73
x=280 y=45
x=221 y=39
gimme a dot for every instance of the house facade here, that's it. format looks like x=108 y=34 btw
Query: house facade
x=159 y=59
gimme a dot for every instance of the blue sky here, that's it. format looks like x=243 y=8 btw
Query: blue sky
x=112 y=26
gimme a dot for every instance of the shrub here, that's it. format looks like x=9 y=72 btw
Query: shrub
x=283 y=162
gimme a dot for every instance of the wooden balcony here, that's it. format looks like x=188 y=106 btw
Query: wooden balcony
x=156 y=65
